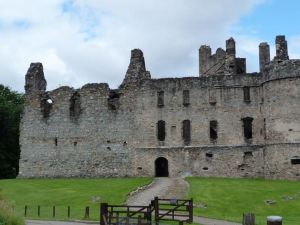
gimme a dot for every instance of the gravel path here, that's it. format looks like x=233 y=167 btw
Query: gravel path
x=44 y=222
x=200 y=220
x=161 y=187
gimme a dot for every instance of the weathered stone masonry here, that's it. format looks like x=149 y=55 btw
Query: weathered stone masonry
x=226 y=122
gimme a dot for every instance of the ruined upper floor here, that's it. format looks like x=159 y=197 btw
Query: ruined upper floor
x=222 y=68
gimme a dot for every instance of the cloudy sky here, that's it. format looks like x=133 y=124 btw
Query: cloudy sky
x=89 y=41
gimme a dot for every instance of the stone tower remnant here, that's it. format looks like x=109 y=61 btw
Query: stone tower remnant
x=222 y=62
x=34 y=78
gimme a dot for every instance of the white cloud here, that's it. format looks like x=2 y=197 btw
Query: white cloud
x=84 y=41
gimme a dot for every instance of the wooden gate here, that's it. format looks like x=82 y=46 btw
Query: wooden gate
x=125 y=215
x=180 y=210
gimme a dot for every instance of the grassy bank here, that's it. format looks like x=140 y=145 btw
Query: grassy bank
x=229 y=198
x=8 y=216
x=76 y=193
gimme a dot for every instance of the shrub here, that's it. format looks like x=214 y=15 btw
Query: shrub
x=8 y=216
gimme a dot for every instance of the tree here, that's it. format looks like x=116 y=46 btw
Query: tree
x=11 y=106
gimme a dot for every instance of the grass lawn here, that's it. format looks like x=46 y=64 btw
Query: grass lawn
x=229 y=198
x=76 y=193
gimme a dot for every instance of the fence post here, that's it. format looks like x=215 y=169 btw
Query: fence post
x=274 y=220
x=103 y=213
x=191 y=208
x=148 y=214
x=69 y=212
x=53 y=212
x=39 y=210
x=156 y=210
x=25 y=211
x=87 y=212
x=139 y=220
x=127 y=216
x=248 y=219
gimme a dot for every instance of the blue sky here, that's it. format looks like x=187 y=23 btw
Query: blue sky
x=89 y=41
x=272 y=18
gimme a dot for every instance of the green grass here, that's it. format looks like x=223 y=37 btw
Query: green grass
x=76 y=193
x=8 y=216
x=229 y=198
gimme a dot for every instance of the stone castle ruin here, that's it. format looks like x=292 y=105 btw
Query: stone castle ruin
x=226 y=122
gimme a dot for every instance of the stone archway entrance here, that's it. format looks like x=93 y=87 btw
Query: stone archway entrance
x=161 y=167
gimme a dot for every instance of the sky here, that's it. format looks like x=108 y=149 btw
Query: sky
x=89 y=41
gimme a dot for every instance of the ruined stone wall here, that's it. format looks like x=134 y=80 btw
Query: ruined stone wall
x=97 y=144
x=95 y=131
x=221 y=161
x=211 y=98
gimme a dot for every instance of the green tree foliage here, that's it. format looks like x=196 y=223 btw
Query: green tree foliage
x=11 y=105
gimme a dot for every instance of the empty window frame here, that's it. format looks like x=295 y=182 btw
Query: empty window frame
x=160 y=98
x=246 y=91
x=75 y=106
x=186 y=132
x=247 y=125
x=161 y=130
x=186 y=97
x=213 y=130
x=46 y=106
x=295 y=160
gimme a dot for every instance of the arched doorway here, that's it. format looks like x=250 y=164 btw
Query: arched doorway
x=161 y=167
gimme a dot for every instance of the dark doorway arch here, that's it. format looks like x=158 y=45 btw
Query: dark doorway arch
x=161 y=167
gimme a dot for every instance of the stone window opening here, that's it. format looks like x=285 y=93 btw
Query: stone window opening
x=75 y=143
x=160 y=99
x=186 y=132
x=247 y=125
x=186 y=97
x=295 y=160
x=246 y=91
x=113 y=100
x=212 y=99
x=161 y=130
x=55 y=141
x=46 y=106
x=213 y=130
x=209 y=155
x=265 y=129
x=248 y=156
x=173 y=131
x=75 y=106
